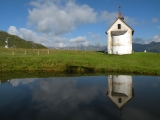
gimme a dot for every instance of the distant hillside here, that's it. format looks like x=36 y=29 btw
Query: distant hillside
x=17 y=42
x=152 y=47
x=136 y=47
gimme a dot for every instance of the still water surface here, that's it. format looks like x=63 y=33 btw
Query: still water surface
x=112 y=97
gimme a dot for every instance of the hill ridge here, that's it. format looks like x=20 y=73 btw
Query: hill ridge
x=15 y=41
x=151 y=47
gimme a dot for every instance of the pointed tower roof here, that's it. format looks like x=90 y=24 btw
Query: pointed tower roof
x=121 y=18
x=120 y=14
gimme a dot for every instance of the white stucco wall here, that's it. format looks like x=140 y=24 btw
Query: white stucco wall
x=120 y=84
x=124 y=27
x=121 y=44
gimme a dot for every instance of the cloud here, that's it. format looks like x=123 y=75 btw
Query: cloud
x=159 y=27
x=30 y=35
x=16 y=82
x=139 y=40
x=156 y=38
x=154 y=20
x=130 y=21
x=51 y=40
x=110 y=17
x=51 y=20
x=27 y=34
x=59 y=92
x=13 y=30
x=50 y=17
x=79 y=41
x=96 y=39
x=95 y=36
x=48 y=40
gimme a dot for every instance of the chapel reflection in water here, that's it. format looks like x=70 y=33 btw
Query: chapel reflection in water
x=120 y=89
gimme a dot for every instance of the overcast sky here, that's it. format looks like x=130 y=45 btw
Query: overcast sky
x=60 y=23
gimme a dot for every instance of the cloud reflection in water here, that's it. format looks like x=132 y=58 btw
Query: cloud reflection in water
x=64 y=95
x=78 y=98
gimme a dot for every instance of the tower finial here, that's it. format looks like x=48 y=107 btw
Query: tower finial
x=120 y=14
x=119 y=8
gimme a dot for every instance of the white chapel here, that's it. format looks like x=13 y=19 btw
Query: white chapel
x=120 y=89
x=120 y=37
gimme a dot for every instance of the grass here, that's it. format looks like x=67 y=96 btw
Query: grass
x=78 y=61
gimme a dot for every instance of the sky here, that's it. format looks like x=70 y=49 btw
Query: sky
x=63 y=23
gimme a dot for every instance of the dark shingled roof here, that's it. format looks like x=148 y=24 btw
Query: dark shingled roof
x=117 y=33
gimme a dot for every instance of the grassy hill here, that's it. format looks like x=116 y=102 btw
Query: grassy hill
x=78 y=61
x=17 y=42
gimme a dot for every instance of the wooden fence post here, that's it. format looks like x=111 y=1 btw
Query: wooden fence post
x=48 y=51
x=12 y=52
x=25 y=52
x=38 y=52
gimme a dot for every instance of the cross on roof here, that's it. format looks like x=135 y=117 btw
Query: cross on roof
x=119 y=8
x=120 y=14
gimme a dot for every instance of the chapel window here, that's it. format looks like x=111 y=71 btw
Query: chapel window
x=119 y=100
x=119 y=26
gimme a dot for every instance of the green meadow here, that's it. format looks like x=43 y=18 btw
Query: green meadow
x=73 y=61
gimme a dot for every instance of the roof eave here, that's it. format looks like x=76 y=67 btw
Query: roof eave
x=124 y=23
